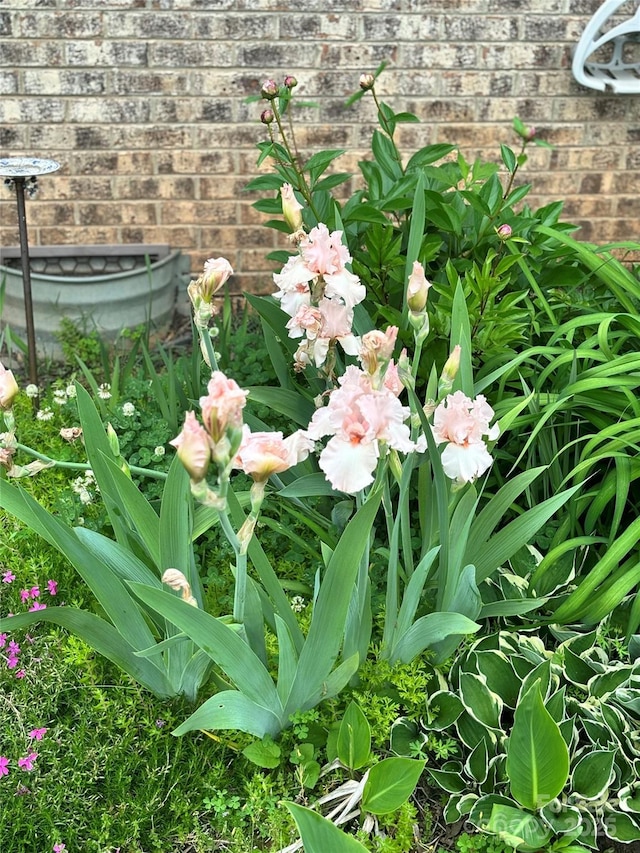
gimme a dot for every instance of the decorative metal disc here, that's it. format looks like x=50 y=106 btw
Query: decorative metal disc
x=26 y=167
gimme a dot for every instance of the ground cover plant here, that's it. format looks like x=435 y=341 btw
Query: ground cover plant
x=331 y=609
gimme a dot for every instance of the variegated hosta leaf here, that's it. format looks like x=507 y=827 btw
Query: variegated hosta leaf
x=569 y=732
x=620 y=826
x=443 y=710
x=520 y=829
x=577 y=670
x=629 y=799
x=615 y=677
x=629 y=699
x=458 y=805
x=501 y=678
x=598 y=733
x=477 y=764
x=593 y=774
x=556 y=704
x=405 y=733
x=563 y=819
x=480 y=814
x=542 y=674
x=482 y=704
x=471 y=732
x=449 y=780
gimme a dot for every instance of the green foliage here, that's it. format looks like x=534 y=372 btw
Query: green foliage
x=142 y=550
x=546 y=741
x=384 y=788
x=78 y=342
x=548 y=316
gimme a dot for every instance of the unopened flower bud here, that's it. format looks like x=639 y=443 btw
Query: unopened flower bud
x=367 y=81
x=291 y=208
x=114 y=444
x=194 y=449
x=504 y=232
x=8 y=388
x=270 y=89
x=395 y=466
x=267 y=116
x=417 y=289
x=449 y=371
x=290 y=81
x=216 y=273
x=376 y=348
x=404 y=370
x=524 y=132
x=419 y=322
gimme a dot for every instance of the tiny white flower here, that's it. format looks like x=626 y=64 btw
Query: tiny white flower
x=85 y=496
x=104 y=391
x=159 y=451
x=71 y=391
x=44 y=414
x=60 y=397
x=128 y=410
x=297 y=603
x=32 y=391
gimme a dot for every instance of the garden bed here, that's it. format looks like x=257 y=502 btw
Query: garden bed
x=406 y=620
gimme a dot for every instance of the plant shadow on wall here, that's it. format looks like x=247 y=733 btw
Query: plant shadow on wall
x=394 y=313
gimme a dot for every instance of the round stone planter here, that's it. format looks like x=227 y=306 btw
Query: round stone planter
x=106 y=288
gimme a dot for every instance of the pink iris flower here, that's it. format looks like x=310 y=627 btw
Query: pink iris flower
x=464 y=424
x=262 y=454
x=324 y=253
x=363 y=423
x=222 y=407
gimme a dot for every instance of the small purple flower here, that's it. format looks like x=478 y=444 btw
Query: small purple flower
x=37 y=734
x=28 y=761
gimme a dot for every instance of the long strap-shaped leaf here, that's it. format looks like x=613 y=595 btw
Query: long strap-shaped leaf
x=220 y=641
x=107 y=587
x=511 y=538
x=102 y=637
x=130 y=513
x=493 y=513
x=268 y=577
x=176 y=552
x=230 y=709
x=322 y=645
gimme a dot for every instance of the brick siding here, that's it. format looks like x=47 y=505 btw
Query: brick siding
x=143 y=102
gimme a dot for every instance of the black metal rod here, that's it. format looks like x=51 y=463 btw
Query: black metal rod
x=26 y=279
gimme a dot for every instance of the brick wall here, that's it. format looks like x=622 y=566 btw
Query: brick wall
x=143 y=103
